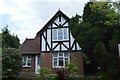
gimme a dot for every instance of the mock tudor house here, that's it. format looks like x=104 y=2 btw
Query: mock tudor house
x=52 y=47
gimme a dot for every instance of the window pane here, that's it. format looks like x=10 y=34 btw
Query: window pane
x=66 y=61
x=29 y=57
x=65 y=34
x=54 y=34
x=38 y=62
x=24 y=58
x=60 y=54
x=61 y=62
x=66 y=54
x=55 y=61
x=24 y=61
x=29 y=63
x=60 y=34
x=55 y=54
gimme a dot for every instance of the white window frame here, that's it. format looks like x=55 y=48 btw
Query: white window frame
x=62 y=34
x=58 y=60
x=53 y=33
x=26 y=62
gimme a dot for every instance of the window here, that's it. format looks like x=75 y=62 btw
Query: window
x=26 y=61
x=38 y=60
x=65 y=34
x=60 y=34
x=54 y=34
x=60 y=59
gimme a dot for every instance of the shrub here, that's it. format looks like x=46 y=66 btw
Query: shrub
x=60 y=74
x=71 y=69
x=43 y=73
x=102 y=75
x=11 y=63
x=52 y=77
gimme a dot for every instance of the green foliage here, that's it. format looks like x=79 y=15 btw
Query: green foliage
x=117 y=5
x=97 y=34
x=9 y=40
x=11 y=57
x=72 y=69
x=43 y=72
x=102 y=76
x=102 y=55
x=52 y=77
x=69 y=71
x=11 y=60
x=86 y=58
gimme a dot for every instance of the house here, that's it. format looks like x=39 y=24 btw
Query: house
x=52 y=47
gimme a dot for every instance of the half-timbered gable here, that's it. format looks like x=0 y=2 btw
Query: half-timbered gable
x=56 y=35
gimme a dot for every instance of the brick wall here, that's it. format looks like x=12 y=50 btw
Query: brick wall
x=75 y=57
x=29 y=71
x=46 y=61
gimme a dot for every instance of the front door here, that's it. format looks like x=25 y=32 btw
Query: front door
x=37 y=64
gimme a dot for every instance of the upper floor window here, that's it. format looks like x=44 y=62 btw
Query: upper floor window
x=60 y=34
x=26 y=60
x=60 y=59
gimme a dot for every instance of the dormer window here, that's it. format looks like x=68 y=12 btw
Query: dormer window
x=60 y=34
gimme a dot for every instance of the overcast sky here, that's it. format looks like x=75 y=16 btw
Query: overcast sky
x=26 y=17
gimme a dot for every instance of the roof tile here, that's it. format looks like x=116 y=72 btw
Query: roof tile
x=31 y=46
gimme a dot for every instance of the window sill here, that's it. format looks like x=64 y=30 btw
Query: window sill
x=60 y=40
x=26 y=66
x=59 y=67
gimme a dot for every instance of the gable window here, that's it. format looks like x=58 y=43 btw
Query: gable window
x=60 y=59
x=54 y=34
x=65 y=34
x=60 y=34
x=26 y=60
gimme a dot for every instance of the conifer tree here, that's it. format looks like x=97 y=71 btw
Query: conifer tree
x=97 y=34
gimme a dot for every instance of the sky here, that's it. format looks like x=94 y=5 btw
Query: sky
x=26 y=17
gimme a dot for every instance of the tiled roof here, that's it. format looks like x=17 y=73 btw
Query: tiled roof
x=31 y=46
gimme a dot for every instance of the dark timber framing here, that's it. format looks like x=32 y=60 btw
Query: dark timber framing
x=43 y=32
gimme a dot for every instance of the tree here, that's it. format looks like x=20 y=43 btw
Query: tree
x=11 y=57
x=97 y=34
x=11 y=60
x=9 y=40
